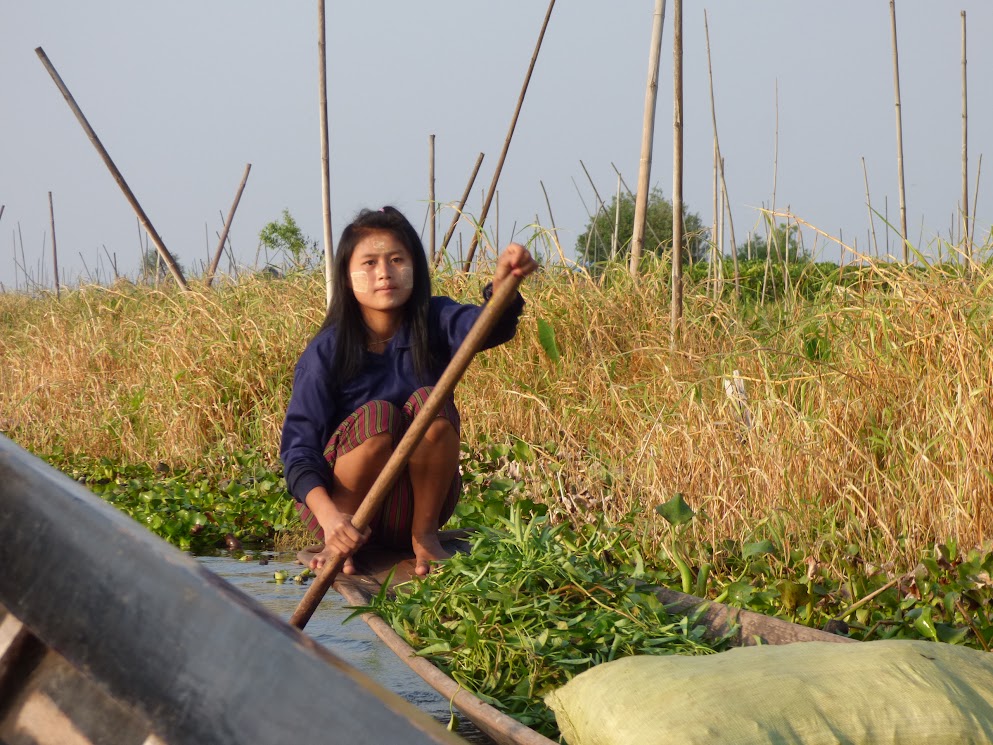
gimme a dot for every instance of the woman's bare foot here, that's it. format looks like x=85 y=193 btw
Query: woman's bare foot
x=427 y=551
x=317 y=556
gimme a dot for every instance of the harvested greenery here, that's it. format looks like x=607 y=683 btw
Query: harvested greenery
x=533 y=605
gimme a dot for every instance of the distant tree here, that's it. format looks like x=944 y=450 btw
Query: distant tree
x=153 y=269
x=595 y=244
x=782 y=245
x=285 y=238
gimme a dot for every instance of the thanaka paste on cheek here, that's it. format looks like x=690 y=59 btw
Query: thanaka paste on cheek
x=406 y=279
x=360 y=282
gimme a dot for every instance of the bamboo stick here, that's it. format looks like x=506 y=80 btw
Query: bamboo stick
x=111 y=259
x=458 y=211
x=676 y=315
x=551 y=218
x=506 y=142
x=322 y=92
x=227 y=226
x=975 y=203
x=648 y=225
x=967 y=248
x=734 y=246
x=647 y=136
x=55 y=253
x=415 y=432
x=617 y=221
x=899 y=137
x=431 y=203
x=868 y=204
x=142 y=217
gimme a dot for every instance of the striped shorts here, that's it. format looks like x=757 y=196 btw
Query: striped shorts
x=391 y=527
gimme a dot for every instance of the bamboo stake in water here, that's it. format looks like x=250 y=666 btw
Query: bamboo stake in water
x=899 y=137
x=676 y=314
x=322 y=92
x=647 y=136
x=227 y=226
x=506 y=143
x=55 y=253
x=142 y=217
x=391 y=471
x=966 y=247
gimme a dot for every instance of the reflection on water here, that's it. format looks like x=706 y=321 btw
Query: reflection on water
x=353 y=642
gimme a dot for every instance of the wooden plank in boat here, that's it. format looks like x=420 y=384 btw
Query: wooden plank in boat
x=158 y=634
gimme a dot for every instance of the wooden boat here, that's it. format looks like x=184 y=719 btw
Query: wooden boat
x=110 y=635
x=375 y=565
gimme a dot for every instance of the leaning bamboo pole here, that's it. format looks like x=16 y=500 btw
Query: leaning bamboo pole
x=458 y=212
x=322 y=92
x=899 y=136
x=163 y=252
x=227 y=227
x=966 y=247
x=432 y=215
x=55 y=253
x=506 y=143
x=719 y=163
x=647 y=134
x=676 y=315
x=734 y=245
x=868 y=204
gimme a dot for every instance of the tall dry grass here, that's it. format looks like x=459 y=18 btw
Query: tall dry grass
x=870 y=406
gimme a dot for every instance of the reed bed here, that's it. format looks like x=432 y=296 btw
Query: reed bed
x=867 y=422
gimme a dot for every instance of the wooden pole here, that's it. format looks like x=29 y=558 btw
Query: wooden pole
x=676 y=315
x=142 y=217
x=551 y=218
x=720 y=166
x=432 y=215
x=322 y=85
x=647 y=135
x=458 y=211
x=227 y=226
x=868 y=204
x=398 y=460
x=617 y=221
x=55 y=253
x=975 y=202
x=506 y=143
x=966 y=247
x=648 y=225
x=899 y=136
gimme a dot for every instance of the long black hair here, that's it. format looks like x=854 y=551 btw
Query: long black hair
x=344 y=312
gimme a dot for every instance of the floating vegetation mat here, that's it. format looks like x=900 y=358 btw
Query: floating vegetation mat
x=532 y=606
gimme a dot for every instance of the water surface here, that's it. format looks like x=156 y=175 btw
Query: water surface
x=353 y=642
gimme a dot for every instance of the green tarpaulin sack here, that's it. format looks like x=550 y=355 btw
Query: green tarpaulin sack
x=812 y=693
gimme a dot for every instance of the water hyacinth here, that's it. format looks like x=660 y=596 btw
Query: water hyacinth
x=532 y=605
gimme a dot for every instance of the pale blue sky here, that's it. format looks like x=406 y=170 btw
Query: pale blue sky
x=184 y=94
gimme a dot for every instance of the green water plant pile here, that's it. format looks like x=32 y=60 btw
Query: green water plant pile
x=534 y=604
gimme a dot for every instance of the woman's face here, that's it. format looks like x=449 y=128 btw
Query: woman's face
x=381 y=272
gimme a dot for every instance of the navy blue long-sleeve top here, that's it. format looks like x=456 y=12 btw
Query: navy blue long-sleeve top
x=316 y=407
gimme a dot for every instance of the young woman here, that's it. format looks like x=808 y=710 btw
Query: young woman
x=362 y=379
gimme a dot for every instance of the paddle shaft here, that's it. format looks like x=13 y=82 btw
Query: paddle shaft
x=474 y=340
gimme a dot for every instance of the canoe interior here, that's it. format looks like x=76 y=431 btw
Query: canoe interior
x=47 y=700
x=374 y=565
